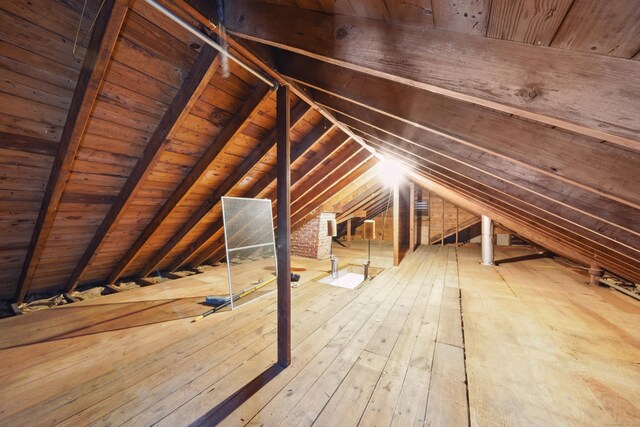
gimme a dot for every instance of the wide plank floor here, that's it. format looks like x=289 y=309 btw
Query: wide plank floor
x=538 y=348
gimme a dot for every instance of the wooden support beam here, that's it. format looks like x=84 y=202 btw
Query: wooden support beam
x=442 y=235
x=429 y=218
x=396 y=224
x=419 y=220
x=201 y=72
x=349 y=232
x=412 y=216
x=250 y=108
x=558 y=154
x=96 y=60
x=457 y=225
x=315 y=135
x=502 y=77
x=284 y=226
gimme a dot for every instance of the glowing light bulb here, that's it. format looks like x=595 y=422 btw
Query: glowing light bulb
x=391 y=172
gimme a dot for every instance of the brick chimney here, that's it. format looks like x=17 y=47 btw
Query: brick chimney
x=311 y=239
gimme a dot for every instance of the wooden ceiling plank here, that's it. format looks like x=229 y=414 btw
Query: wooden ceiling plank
x=603 y=27
x=192 y=253
x=312 y=210
x=463 y=16
x=101 y=45
x=251 y=107
x=527 y=21
x=200 y=74
x=493 y=73
x=28 y=144
x=241 y=171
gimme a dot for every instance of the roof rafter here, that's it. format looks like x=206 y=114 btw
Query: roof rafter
x=502 y=79
x=498 y=174
x=101 y=45
x=559 y=155
x=201 y=72
x=513 y=210
x=203 y=253
x=248 y=109
x=315 y=135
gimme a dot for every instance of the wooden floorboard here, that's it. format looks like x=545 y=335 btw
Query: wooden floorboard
x=544 y=348
x=538 y=347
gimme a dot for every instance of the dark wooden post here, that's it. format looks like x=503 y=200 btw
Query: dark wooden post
x=419 y=222
x=457 y=224
x=284 y=226
x=412 y=217
x=396 y=224
x=442 y=242
x=429 y=218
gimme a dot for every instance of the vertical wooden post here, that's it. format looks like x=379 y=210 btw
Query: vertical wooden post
x=349 y=232
x=419 y=219
x=396 y=224
x=429 y=218
x=457 y=224
x=442 y=242
x=412 y=216
x=284 y=225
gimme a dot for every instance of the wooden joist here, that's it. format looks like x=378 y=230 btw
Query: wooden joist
x=249 y=108
x=199 y=76
x=501 y=70
x=103 y=41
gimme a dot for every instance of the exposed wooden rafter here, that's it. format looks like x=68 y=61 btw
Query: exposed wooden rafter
x=199 y=252
x=201 y=72
x=101 y=46
x=249 y=108
x=502 y=79
x=316 y=134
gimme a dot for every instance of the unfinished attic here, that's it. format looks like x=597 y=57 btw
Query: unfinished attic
x=331 y=212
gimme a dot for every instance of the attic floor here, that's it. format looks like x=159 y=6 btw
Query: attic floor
x=541 y=348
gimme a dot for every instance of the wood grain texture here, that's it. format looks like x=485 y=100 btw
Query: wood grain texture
x=502 y=77
x=608 y=28
x=103 y=40
x=528 y=21
x=200 y=74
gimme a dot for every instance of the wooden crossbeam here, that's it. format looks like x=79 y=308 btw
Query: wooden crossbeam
x=201 y=72
x=500 y=189
x=96 y=60
x=240 y=172
x=249 y=109
x=489 y=72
